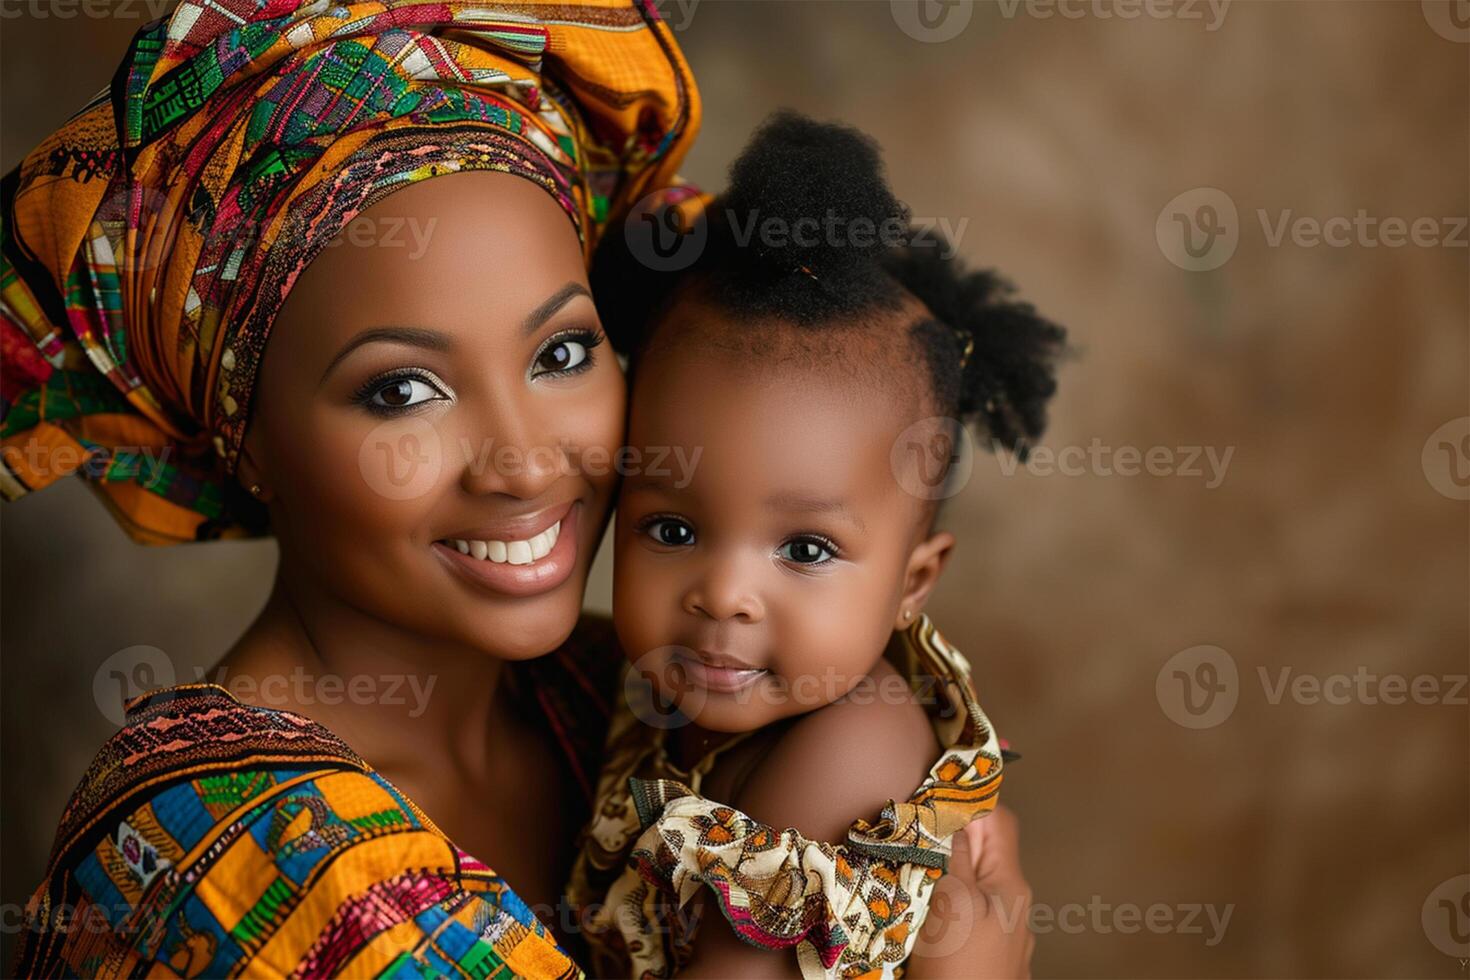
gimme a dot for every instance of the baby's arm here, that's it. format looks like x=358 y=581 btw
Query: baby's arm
x=840 y=762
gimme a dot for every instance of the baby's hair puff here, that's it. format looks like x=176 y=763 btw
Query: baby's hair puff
x=809 y=234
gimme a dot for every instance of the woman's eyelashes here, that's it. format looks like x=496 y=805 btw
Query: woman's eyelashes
x=401 y=390
x=566 y=353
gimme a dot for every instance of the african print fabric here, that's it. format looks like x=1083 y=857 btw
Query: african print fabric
x=215 y=838
x=848 y=909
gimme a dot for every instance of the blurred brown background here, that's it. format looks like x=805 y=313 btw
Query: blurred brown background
x=1053 y=139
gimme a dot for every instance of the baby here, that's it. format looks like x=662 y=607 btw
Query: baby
x=770 y=600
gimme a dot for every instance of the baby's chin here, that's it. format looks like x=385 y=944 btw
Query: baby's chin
x=732 y=721
x=731 y=714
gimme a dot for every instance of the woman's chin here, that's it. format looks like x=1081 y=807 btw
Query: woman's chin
x=528 y=628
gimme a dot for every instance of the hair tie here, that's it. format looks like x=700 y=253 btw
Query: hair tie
x=967 y=341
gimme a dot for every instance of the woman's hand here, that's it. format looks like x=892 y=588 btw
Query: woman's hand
x=978 y=923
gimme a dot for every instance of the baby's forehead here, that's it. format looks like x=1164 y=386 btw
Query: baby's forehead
x=869 y=359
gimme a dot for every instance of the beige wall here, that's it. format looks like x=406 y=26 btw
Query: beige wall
x=1326 y=548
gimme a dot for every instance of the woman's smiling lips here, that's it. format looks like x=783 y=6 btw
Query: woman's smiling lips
x=722 y=675
x=524 y=557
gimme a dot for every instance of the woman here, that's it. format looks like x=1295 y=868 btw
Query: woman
x=247 y=177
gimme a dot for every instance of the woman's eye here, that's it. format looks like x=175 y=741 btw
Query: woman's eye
x=403 y=393
x=805 y=551
x=669 y=532
x=564 y=355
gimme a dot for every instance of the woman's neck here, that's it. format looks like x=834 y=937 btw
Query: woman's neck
x=396 y=697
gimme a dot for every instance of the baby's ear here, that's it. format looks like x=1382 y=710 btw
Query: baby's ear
x=926 y=562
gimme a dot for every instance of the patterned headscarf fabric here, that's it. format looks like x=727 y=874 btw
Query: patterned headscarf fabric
x=150 y=242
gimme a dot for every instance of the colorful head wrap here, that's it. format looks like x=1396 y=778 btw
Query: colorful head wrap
x=149 y=243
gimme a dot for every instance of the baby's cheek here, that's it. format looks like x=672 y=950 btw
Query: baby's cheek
x=836 y=640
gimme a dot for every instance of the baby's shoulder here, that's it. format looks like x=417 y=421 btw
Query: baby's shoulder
x=873 y=745
x=882 y=716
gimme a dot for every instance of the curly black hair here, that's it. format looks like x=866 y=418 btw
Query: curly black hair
x=809 y=234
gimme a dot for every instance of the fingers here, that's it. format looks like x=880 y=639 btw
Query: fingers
x=998 y=849
x=965 y=857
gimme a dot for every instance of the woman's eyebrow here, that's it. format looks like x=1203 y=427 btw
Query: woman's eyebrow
x=548 y=308
x=412 y=336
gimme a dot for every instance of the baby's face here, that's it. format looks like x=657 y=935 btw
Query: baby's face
x=759 y=570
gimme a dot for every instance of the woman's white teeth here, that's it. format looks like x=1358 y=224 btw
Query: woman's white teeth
x=516 y=552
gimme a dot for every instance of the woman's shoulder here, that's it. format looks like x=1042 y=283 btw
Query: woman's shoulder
x=211 y=836
x=188 y=728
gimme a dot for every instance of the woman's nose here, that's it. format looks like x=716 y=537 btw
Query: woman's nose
x=521 y=465
x=724 y=592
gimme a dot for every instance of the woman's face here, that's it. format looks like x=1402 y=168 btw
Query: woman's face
x=432 y=415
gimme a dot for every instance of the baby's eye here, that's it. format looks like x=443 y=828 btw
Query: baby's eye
x=403 y=393
x=805 y=551
x=670 y=531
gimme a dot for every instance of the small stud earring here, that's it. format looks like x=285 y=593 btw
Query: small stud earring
x=255 y=490
x=908 y=614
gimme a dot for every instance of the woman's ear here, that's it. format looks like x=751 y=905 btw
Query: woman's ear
x=926 y=562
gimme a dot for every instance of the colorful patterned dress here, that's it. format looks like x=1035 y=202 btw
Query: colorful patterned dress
x=214 y=838
x=849 y=909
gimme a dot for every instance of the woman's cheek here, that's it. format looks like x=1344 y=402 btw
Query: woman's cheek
x=600 y=435
x=361 y=486
x=402 y=460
